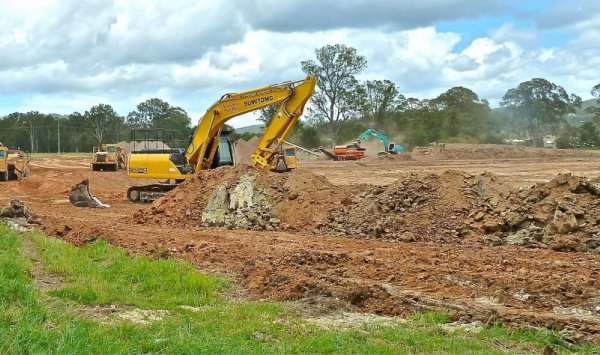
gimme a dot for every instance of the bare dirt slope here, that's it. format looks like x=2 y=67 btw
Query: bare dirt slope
x=455 y=272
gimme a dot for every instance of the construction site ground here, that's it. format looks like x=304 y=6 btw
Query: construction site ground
x=511 y=284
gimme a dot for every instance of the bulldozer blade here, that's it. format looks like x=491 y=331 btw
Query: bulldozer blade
x=80 y=196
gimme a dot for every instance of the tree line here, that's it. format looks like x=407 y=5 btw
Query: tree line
x=343 y=107
x=79 y=132
x=340 y=109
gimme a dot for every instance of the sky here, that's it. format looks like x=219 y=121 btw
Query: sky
x=61 y=56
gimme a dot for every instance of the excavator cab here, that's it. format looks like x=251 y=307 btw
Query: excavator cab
x=224 y=155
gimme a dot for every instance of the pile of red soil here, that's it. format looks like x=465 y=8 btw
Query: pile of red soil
x=295 y=200
x=419 y=207
x=244 y=149
x=454 y=207
x=562 y=214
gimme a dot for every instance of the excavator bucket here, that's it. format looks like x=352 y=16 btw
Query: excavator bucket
x=80 y=196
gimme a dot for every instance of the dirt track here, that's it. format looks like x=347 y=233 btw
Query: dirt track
x=508 y=283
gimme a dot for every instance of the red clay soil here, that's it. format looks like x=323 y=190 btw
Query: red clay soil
x=508 y=283
x=300 y=198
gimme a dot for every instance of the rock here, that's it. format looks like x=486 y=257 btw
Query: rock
x=566 y=244
x=594 y=188
x=377 y=231
x=214 y=213
x=492 y=240
x=346 y=201
x=242 y=195
x=15 y=209
x=491 y=225
x=407 y=237
x=478 y=216
x=519 y=238
x=562 y=223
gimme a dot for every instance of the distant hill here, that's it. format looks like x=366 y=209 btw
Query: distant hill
x=254 y=129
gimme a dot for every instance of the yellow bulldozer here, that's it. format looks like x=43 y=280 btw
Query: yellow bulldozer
x=14 y=163
x=108 y=157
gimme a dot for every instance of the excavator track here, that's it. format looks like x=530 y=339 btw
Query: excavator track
x=148 y=193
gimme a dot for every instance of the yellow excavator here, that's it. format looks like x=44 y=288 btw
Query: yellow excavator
x=209 y=148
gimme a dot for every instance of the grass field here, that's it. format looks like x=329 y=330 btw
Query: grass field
x=57 y=298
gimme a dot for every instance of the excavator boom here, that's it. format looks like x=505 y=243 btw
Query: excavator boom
x=292 y=96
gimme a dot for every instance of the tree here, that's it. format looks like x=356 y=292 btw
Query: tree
x=14 y=131
x=100 y=118
x=149 y=113
x=596 y=108
x=540 y=105
x=381 y=100
x=309 y=137
x=76 y=135
x=566 y=137
x=31 y=121
x=338 y=97
x=266 y=114
x=589 y=136
x=158 y=114
x=306 y=136
x=463 y=114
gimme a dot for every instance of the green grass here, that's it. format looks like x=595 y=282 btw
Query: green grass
x=60 y=321
x=101 y=274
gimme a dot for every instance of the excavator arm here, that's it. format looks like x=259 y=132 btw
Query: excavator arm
x=388 y=147
x=371 y=132
x=286 y=117
x=291 y=96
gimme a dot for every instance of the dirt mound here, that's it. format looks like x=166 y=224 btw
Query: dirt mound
x=562 y=214
x=457 y=151
x=243 y=197
x=419 y=207
x=128 y=147
x=17 y=215
x=243 y=150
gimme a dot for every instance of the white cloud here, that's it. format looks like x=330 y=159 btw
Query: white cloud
x=508 y=33
x=69 y=55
